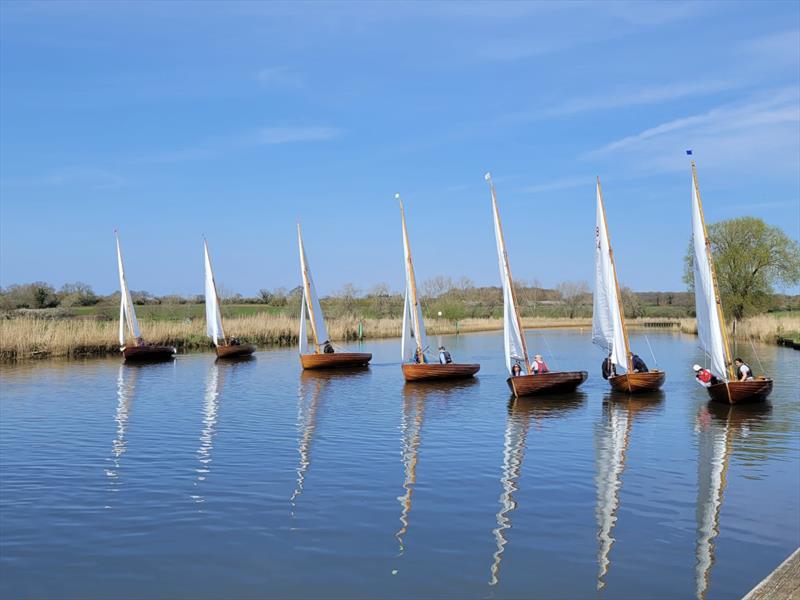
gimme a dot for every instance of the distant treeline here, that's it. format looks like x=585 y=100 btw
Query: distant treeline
x=453 y=299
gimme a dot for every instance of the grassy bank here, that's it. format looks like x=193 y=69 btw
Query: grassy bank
x=37 y=338
x=767 y=328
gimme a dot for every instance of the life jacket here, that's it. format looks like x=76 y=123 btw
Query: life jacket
x=747 y=368
x=540 y=367
x=705 y=375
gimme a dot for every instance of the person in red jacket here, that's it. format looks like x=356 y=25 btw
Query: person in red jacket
x=704 y=377
x=539 y=366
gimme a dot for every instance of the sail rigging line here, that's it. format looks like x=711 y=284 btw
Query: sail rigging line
x=508 y=283
x=713 y=282
x=653 y=354
x=620 y=306
x=758 y=358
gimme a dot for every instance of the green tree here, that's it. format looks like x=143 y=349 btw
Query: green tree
x=751 y=258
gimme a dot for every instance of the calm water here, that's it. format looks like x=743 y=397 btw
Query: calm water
x=196 y=479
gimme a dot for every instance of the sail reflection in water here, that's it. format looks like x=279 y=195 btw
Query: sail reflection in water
x=612 y=439
x=411 y=429
x=312 y=384
x=210 y=410
x=520 y=411
x=126 y=384
x=717 y=427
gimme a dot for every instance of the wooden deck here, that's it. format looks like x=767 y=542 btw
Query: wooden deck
x=782 y=584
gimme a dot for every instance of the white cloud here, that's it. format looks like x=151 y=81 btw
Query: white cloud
x=775 y=49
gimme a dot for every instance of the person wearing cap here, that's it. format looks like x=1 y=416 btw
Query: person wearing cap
x=704 y=377
x=539 y=366
x=444 y=356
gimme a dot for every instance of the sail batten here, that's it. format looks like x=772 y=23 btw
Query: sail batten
x=127 y=315
x=311 y=302
x=413 y=339
x=214 y=328
x=513 y=334
x=608 y=321
x=710 y=322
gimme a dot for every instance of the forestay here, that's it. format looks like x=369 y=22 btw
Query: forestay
x=709 y=324
x=608 y=330
x=126 y=312
x=413 y=326
x=513 y=338
x=310 y=300
x=213 y=315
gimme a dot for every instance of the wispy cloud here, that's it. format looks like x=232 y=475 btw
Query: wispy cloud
x=781 y=48
x=266 y=136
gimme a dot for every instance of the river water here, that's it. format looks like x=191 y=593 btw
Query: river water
x=200 y=479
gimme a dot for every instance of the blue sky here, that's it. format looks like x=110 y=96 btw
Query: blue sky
x=234 y=120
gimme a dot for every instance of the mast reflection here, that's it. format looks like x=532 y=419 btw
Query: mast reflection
x=520 y=411
x=312 y=383
x=411 y=428
x=718 y=426
x=611 y=441
x=126 y=385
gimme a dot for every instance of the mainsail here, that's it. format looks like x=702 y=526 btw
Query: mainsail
x=608 y=322
x=126 y=312
x=413 y=325
x=710 y=321
x=513 y=336
x=310 y=303
x=213 y=315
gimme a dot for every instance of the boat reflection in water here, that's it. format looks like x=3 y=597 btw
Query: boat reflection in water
x=612 y=438
x=126 y=385
x=411 y=429
x=718 y=427
x=518 y=422
x=217 y=374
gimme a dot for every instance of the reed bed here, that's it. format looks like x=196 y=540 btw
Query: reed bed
x=28 y=337
x=760 y=328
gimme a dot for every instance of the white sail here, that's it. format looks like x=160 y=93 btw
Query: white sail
x=709 y=326
x=126 y=312
x=607 y=328
x=513 y=337
x=213 y=316
x=310 y=297
x=712 y=470
x=612 y=442
x=303 y=335
x=413 y=324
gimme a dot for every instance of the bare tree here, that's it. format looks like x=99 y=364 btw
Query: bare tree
x=436 y=286
x=631 y=303
x=573 y=295
x=348 y=295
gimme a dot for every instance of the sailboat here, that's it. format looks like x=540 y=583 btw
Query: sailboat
x=225 y=348
x=140 y=350
x=516 y=349
x=711 y=329
x=608 y=318
x=323 y=355
x=415 y=364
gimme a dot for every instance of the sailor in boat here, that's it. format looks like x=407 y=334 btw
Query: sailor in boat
x=704 y=377
x=419 y=357
x=539 y=366
x=743 y=372
x=516 y=370
x=608 y=368
x=444 y=356
x=638 y=364
x=327 y=347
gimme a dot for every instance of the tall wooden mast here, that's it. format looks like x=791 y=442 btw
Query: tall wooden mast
x=718 y=300
x=628 y=358
x=412 y=282
x=508 y=272
x=307 y=289
x=214 y=285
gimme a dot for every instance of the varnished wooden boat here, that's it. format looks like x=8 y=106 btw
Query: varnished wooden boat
x=741 y=392
x=335 y=360
x=148 y=353
x=636 y=383
x=235 y=351
x=546 y=383
x=437 y=371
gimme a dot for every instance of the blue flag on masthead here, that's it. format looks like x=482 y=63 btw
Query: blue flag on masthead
x=689 y=152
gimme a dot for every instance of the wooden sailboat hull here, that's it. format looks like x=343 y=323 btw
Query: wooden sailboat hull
x=741 y=392
x=635 y=383
x=547 y=383
x=235 y=351
x=335 y=360
x=437 y=371
x=148 y=353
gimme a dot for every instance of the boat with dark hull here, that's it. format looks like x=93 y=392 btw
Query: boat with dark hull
x=711 y=329
x=609 y=330
x=416 y=365
x=527 y=383
x=323 y=356
x=226 y=348
x=139 y=350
